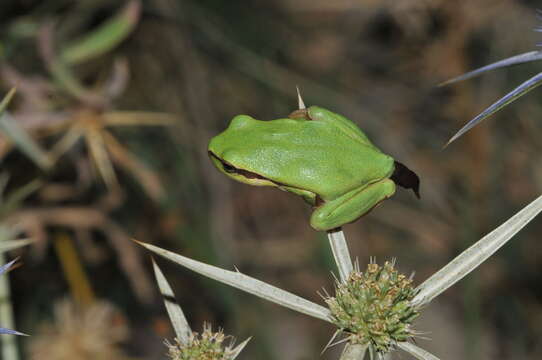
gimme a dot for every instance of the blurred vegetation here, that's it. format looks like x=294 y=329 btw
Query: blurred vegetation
x=116 y=102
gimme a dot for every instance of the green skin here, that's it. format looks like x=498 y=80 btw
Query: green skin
x=317 y=154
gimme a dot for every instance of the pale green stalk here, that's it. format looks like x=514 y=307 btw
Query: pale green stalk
x=7 y=341
x=174 y=310
x=9 y=344
x=354 y=352
x=341 y=254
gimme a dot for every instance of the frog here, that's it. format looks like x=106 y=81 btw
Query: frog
x=314 y=153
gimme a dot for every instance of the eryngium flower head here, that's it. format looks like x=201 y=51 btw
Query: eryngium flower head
x=373 y=307
x=207 y=346
x=92 y=332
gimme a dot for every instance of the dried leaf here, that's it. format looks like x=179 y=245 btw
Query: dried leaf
x=72 y=135
x=147 y=178
x=13 y=201
x=100 y=157
x=137 y=118
x=60 y=71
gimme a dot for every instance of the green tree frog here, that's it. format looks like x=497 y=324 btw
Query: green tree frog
x=316 y=154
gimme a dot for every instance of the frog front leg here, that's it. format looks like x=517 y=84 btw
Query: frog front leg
x=352 y=205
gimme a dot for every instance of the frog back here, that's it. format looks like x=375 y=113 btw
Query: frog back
x=304 y=154
x=332 y=162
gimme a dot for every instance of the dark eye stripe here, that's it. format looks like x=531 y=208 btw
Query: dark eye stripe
x=228 y=168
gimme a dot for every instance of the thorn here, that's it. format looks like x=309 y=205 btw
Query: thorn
x=300 y=102
x=329 y=343
x=449 y=142
x=444 y=83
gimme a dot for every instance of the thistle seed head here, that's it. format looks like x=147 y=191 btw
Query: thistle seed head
x=207 y=346
x=373 y=307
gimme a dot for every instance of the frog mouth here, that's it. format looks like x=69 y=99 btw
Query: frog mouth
x=232 y=170
x=251 y=178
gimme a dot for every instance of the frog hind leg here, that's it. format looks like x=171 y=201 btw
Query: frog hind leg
x=352 y=205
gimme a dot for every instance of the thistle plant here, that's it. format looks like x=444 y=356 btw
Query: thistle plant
x=208 y=345
x=81 y=332
x=373 y=307
x=423 y=294
x=189 y=345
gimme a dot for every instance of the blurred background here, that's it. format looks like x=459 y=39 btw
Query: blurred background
x=106 y=139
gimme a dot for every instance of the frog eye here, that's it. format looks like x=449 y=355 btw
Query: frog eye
x=228 y=168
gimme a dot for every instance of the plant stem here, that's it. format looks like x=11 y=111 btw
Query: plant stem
x=354 y=352
x=73 y=270
x=339 y=248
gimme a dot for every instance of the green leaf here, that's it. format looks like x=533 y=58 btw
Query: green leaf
x=5 y=101
x=106 y=37
x=65 y=78
x=13 y=201
x=14 y=131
